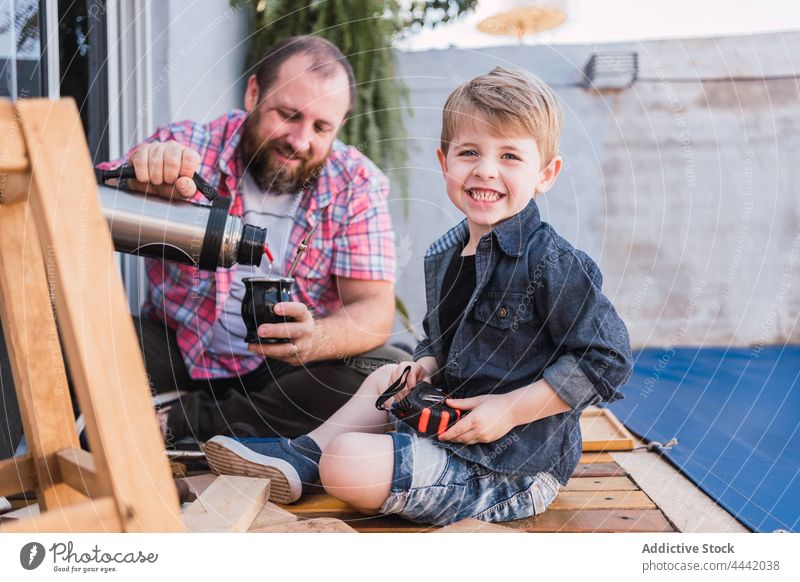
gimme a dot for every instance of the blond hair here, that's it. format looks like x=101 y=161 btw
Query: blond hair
x=511 y=102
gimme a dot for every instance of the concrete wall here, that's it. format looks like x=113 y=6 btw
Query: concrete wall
x=684 y=186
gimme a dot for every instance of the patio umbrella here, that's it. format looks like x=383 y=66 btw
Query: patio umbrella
x=519 y=17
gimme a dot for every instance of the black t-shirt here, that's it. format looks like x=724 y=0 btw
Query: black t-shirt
x=459 y=284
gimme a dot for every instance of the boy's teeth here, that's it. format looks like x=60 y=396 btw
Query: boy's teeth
x=484 y=195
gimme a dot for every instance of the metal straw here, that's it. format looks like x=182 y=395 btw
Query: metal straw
x=300 y=250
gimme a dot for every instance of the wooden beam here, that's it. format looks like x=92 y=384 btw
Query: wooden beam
x=230 y=504
x=15 y=178
x=595 y=520
x=316 y=525
x=12 y=147
x=600 y=484
x=316 y=504
x=472 y=525
x=17 y=475
x=270 y=516
x=96 y=328
x=588 y=458
x=94 y=515
x=78 y=471
x=599 y=470
x=583 y=500
x=602 y=431
x=34 y=351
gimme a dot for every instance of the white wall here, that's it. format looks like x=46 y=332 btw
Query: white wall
x=685 y=191
x=199 y=52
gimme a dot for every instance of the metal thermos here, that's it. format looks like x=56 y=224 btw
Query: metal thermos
x=204 y=235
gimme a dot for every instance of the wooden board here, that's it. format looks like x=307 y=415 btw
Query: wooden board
x=600 y=484
x=595 y=520
x=473 y=525
x=584 y=500
x=269 y=517
x=602 y=431
x=17 y=475
x=94 y=515
x=198 y=483
x=34 y=352
x=95 y=326
x=588 y=458
x=317 y=525
x=317 y=504
x=230 y=504
x=599 y=470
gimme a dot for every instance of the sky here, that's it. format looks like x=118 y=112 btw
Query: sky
x=622 y=20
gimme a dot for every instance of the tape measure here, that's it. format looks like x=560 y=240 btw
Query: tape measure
x=424 y=409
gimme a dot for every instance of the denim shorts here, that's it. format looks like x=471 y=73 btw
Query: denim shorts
x=432 y=485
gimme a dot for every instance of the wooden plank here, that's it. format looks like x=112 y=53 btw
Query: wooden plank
x=13 y=157
x=600 y=484
x=473 y=525
x=599 y=470
x=594 y=520
x=23 y=512
x=34 y=351
x=78 y=471
x=317 y=503
x=17 y=475
x=584 y=500
x=91 y=516
x=385 y=524
x=96 y=328
x=588 y=458
x=198 y=483
x=602 y=431
x=317 y=525
x=230 y=504
x=270 y=516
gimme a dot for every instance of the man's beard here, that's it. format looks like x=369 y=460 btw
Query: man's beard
x=266 y=170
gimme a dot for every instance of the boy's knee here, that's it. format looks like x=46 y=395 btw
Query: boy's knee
x=339 y=461
x=351 y=470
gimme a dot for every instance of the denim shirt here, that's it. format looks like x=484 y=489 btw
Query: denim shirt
x=537 y=312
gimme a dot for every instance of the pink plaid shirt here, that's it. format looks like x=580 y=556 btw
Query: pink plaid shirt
x=354 y=239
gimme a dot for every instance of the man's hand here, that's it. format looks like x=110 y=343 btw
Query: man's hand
x=301 y=333
x=490 y=418
x=164 y=168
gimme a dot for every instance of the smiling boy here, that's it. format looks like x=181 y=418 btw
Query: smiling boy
x=518 y=333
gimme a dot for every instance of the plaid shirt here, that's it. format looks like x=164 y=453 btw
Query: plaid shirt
x=354 y=240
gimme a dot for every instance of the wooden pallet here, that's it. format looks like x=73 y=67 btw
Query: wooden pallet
x=602 y=431
x=600 y=497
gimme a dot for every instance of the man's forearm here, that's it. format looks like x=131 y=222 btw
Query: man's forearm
x=357 y=327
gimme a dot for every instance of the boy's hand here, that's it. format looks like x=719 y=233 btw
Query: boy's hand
x=417 y=374
x=489 y=419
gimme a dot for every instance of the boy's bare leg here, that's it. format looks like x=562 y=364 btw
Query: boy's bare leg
x=357 y=468
x=357 y=461
x=359 y=413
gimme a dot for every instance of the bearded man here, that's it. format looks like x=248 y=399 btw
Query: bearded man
x=280 y=162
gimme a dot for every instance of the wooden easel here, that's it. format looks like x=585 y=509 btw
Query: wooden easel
x=56 y=251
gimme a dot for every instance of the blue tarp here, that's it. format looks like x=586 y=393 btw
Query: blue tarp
x=736 y=415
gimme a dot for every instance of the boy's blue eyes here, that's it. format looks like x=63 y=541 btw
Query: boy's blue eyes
x=471 y=153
